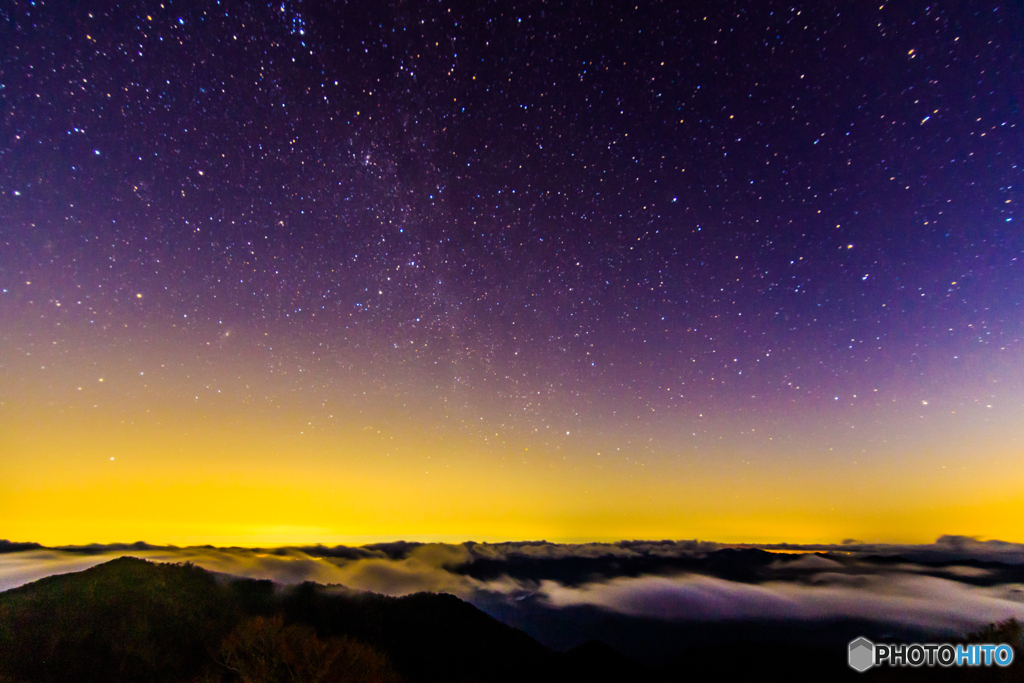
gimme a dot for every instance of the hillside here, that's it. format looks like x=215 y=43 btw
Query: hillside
x=132 y=620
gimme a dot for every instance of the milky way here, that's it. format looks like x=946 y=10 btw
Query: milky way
x=593 y=264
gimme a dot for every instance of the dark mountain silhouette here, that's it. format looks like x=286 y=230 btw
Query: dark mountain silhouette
x=10 y=547
x=132 y=620
x=731 y=564
x=126 y=620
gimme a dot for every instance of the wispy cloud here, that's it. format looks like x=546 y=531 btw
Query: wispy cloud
x=910 y=600
x=937 y=586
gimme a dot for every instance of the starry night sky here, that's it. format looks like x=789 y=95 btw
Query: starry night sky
x=327 y=271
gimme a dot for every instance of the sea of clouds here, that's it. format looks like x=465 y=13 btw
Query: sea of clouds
x=952 y=585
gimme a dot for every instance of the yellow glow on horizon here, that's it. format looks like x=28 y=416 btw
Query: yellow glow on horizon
x=262 y=484
x=194 y=455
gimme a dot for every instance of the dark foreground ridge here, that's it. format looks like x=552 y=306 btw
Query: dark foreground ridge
x=133 y=620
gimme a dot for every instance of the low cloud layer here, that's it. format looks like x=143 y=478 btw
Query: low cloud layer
x=909 y=600
x=952 y=585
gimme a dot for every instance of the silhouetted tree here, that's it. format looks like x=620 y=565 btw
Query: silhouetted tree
x=1008 y=632
x=265 y=650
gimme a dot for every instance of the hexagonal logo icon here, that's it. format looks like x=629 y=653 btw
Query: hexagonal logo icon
x=861 y=654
